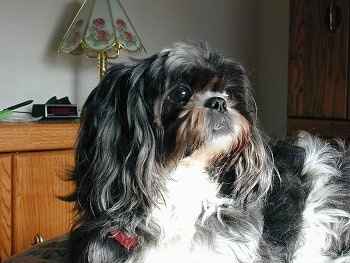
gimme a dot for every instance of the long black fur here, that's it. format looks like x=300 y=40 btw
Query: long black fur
x=128 y=145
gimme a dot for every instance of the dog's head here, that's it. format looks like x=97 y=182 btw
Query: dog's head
x=146 y=115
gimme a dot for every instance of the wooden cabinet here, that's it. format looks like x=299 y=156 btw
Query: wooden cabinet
x=318 y=91
x=34 y=159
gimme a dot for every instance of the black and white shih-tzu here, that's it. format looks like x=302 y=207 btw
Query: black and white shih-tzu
x=172 y=166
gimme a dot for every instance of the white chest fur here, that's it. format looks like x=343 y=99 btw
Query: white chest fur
x=191 y=198
x=190 y=190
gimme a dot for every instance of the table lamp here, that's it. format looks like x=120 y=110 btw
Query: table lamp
x=100 y=29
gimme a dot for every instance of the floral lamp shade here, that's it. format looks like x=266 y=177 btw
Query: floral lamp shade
x=100 y=30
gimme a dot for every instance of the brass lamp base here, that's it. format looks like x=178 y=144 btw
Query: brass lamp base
x=101 y=63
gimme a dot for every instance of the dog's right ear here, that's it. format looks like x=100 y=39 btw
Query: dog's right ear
x=116 y=149
x=114 y=174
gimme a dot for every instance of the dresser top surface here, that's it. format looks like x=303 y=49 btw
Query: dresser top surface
x=37 y=136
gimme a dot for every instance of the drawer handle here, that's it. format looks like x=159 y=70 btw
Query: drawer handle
x=334 y=16
x=38 y=239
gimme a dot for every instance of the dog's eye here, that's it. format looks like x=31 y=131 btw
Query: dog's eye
x=182 y=95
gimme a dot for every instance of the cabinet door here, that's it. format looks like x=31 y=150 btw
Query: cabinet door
x=318 y=59
x=37 y=182
x=5 y=206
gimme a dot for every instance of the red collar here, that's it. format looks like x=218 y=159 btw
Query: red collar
x=125 y=240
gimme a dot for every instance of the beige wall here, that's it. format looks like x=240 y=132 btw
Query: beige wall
x=273 y=65
x=31 y=68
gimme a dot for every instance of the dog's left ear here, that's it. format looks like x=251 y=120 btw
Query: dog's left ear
x=116 y=149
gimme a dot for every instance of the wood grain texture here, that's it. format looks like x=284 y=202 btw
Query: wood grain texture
x=37 y=136
x=324 y=128
x=318 y=60
x=5 y=206
x=31 y=163
x=36 y=184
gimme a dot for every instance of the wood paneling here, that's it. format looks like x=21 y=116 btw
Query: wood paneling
x=325 y=128
x=318 y=59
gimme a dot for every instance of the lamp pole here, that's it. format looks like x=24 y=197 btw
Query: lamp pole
x=101 y=63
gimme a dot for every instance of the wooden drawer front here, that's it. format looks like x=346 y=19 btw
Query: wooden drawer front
x=5 y=206
x=37 y=182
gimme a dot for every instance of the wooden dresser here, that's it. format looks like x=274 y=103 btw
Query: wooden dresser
x=319 y=67
x=34 y=157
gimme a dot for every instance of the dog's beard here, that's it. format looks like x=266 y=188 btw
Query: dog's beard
x=206 y=132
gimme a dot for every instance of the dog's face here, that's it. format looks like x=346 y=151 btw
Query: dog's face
x=147 y=115
x=206 y=105
x=201 y=102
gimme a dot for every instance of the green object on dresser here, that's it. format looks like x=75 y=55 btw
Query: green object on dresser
x=5 y=114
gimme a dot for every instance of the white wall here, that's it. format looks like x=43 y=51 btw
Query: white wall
x=31 y=68
x=273 y=65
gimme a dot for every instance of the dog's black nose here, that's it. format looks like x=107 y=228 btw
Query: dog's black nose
x=216 y=103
